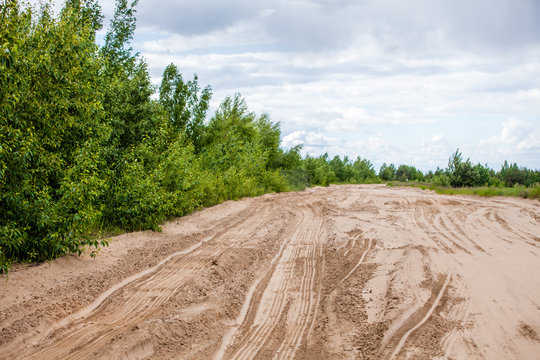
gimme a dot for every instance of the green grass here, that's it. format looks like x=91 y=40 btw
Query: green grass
x=532 y=192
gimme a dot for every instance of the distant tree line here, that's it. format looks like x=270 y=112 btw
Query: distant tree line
x=84 y=146
x=463 y=173
x=459 y=173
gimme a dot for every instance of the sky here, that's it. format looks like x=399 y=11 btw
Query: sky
x=402 y=82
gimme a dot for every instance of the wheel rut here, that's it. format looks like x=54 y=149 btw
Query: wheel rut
x=418 y=319
x=290 y=298
x=135 y=301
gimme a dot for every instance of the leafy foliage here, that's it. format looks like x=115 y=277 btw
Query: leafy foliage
x=51 y=132
x=184 y=106
x=512 y=174
x=408 y=173
x=387 y=172
x=242 y=149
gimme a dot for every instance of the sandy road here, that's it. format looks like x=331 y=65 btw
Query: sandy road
x=345 y=272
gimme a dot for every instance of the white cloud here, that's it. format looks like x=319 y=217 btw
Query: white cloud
x=432 y=150
x=515 y=136
x=393 y=81
x=349 y=119
x=531 y=94
x=310 y=139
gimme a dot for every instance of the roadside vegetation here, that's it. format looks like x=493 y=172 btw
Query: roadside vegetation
x=86 y=148
x=463 y=178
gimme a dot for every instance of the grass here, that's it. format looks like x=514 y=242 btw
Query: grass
x=532 y=192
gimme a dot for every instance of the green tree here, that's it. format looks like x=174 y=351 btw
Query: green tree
x=269 y=134
x=290 y=163
x=512 y=174
x=51 y=132
x=290 y=159
x=238 y=149
x=364 y=171
x=184 y=103
x=319 y=170
x=463 y=173
x=408 y=173
x=116 y=49
x=89 y=13
x=339 y=168
x=387 y=172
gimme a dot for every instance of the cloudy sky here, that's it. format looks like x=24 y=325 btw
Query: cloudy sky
x=389 y=80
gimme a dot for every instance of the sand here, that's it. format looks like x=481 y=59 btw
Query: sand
x=344 y=272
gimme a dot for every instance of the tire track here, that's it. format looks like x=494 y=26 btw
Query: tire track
x=245 y=318
x=448 y=233
x=409 y=327
x=247 y=305
x=290 y=299
x=427 y=224
x=353 y=244
x=340 y=336
x=137 y=298
x=488 y=221
x=458 y=220
x=369 y=244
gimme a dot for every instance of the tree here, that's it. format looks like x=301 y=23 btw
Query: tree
x=269 y=134
x=511 y=175
x=51 y=131
x=464 y=173
x=339 y=168
x=387 y=172
x=290 y=159
x=127 y=88
x=363 y=170
x=185 y=105
x=319 y=170
x=89 y=13
x=116 y=48
x=240 y=148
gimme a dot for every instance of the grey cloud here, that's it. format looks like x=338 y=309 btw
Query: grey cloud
x=195 y=17
x=311 y=26
x=301 y=60
x=401 y=27
x=500 y=22
x=295 y=25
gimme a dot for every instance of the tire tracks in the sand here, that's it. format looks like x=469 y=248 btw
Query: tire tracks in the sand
x=290 y=298
x=345 y=279
x=423 y=217
x=395 y=343
x=348 y=272
x=360 y=261
x=135 y=299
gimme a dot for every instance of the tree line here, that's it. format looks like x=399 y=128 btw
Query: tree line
x=84 y=146
x=459 y=173
x=463 y=173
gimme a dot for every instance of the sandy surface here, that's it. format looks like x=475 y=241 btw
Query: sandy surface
x=345 y=272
